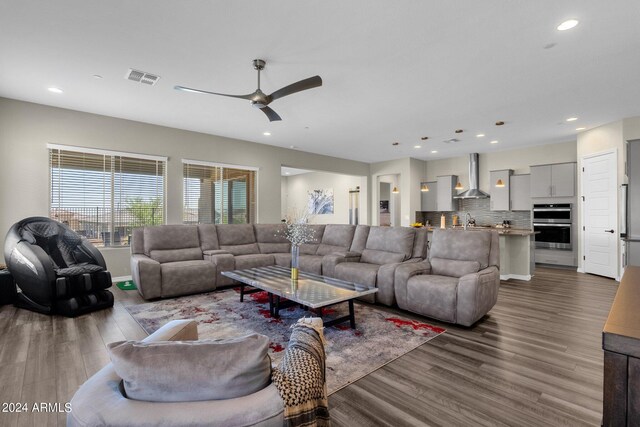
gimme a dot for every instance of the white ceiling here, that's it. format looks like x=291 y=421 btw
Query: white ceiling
x=392 y=71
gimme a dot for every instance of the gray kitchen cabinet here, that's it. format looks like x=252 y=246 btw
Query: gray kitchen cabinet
x=520 y=192
x=499 y=195
x=557 y=180
x=429 y=199
x=541 y=181
x=563 y=180
x=446 y=190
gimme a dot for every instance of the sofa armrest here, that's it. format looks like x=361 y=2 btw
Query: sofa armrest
x=223 y=261
x=402 y=274
x=385 y=281
x=477 y=294
x=215 y=252
x=175 y=330
x=330 y=261
x=147 y=276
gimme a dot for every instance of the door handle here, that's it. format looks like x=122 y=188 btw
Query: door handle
x=609 y=231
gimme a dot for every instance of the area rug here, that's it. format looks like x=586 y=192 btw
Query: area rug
x=378 y=339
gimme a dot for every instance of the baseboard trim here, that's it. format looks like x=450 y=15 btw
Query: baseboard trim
x=580 y=270
x=525 y=277
x=121 y=279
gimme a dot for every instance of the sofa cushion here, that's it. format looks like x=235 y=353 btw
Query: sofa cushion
x=309 y=248
x=251 y=248
x=187 y=277
x=420 y=244
x=360 y=238
x=310 y=263
x=208 y=237
x=380 y=257
x=273 y=248
x=253 y=260
x=330 y=249
x=338 y=235
x=433 y=296
x=461 y=245
x=188 y=371
x=270 y=233
x=453 y=267
x=170 y=237
x=235 y=234
x=397 y=240
x=282 y=259
x=357 y=272
x=171 y=255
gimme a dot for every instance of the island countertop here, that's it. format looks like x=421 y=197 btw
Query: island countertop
x=501 y=231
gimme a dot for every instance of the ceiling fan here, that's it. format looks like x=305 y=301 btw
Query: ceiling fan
x=261 y=100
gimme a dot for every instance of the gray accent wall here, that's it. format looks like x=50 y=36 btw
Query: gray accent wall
x=26 y=128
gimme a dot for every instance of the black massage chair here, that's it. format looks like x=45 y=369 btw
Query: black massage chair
x=57 y=270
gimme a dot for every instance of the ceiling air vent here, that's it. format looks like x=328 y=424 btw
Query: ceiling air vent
x=142 y=77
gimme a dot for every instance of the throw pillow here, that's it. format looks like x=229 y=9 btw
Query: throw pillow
x=187 y=371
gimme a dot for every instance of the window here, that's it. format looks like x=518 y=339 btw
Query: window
x=218 y=194
x=102 y=195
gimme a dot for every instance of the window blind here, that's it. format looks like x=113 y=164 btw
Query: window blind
x=218 y=194
x=104 y=196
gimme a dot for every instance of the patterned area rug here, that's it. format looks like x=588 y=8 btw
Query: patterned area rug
x=378 y=339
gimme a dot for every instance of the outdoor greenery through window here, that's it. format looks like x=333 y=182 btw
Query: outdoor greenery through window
x=216 y=194
x=103 y=195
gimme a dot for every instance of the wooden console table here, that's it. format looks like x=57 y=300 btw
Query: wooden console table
x=621 y=345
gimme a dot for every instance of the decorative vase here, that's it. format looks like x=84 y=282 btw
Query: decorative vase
x=295 y=259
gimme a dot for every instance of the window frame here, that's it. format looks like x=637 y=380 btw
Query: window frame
x=205 y=163
x=111 y=154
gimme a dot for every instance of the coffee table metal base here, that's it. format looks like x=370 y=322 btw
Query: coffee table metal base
x=276 y=304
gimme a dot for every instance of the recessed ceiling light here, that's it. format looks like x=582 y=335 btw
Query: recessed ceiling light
x=580 y=128
x=499 y=123
x=434 y=151
x=459 y=130
x=493 y=142
x=97 y=76
x=292 y=146
x=567 y=25
x=266 y=133
x=417 y=146
x=572 y=119
x=424 y=138
x=55 y=90
x=395 y=144
x=480 y=135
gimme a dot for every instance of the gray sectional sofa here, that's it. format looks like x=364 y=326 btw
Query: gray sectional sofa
x=456 y=281
x=172 y=260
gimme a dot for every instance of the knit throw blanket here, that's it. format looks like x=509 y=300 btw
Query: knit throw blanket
x=300 y=377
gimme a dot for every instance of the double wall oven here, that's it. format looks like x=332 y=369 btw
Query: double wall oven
x=553 y=224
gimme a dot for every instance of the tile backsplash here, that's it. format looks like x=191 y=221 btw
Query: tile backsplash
x=479 y=209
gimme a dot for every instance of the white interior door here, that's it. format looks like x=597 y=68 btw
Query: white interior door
x=600 y=213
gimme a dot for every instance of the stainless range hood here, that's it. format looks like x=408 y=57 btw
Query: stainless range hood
x=473 y=192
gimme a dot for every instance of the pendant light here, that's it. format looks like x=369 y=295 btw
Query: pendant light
x=499 y=183
x=459 y=186
x=424 y=187
x=395 y=190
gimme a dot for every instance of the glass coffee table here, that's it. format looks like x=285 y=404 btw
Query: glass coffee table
x=311 y=291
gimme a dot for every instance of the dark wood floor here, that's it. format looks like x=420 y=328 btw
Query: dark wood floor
x=536 y=360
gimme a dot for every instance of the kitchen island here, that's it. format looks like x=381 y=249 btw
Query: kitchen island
x=517 y=257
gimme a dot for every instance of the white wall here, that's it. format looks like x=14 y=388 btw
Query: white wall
x=26 y=128
x=409 y=174
x=297 y=187
x=519 y=160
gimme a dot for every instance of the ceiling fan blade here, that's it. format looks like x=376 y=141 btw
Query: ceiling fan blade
x=305 y=84
x=188 y=89
x=272 y=115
